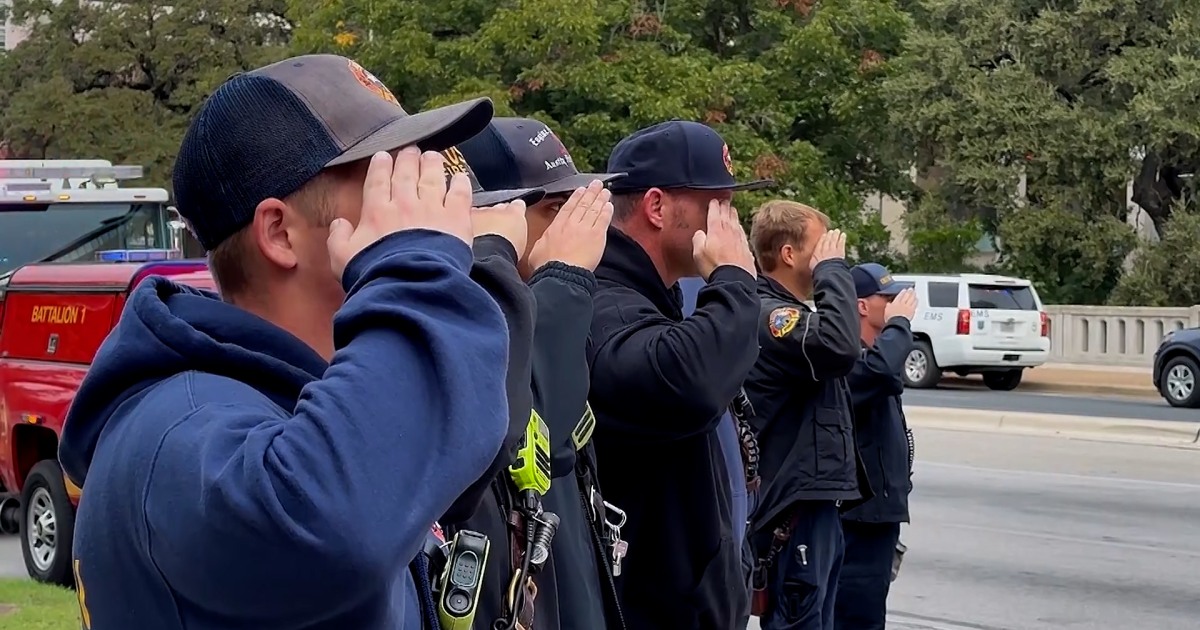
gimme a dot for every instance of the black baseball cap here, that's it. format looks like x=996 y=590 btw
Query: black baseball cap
x=874 y=279
x=676 y=154
x=267 y=132
x=522 y=152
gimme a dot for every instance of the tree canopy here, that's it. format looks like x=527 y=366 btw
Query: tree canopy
x=1067 y=100
x=118 y=81
x=1080 y=97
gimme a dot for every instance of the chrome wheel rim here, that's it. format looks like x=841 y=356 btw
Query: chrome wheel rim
x=41 y=528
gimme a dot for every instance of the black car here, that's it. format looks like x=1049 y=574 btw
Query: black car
x=1177 y=367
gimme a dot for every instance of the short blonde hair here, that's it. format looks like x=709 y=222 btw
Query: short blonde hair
x=777 y=223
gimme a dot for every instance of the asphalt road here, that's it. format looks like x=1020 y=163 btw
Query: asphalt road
x=1035 y=533
x=1074 y=404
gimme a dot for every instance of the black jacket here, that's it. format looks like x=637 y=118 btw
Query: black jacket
x=798 y=389
x=586 y=592
x=882 y=433
x=486 y=506
x=660 y=384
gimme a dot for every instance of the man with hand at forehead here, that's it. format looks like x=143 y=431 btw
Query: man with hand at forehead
x=661 y=382
x=275 y=457
x=872 y=530
x=567 y=231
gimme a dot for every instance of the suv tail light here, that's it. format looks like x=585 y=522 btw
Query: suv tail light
x=964 y=322
x=1045 y=323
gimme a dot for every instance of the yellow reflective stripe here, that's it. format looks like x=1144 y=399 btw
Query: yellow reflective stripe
x=582 y=433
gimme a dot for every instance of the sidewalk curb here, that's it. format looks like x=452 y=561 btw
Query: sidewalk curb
x=1135 y=430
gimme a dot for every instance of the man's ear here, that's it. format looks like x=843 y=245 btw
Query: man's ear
x=862 y=308
x=787 y=255
x=273 y=232
x=653 y=207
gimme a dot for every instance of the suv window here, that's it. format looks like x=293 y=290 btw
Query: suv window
x=943 y=295
x=988 y=296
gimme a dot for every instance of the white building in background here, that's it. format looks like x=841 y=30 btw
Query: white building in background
x=12 y=34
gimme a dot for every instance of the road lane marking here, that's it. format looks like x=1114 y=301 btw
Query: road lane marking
x=1097 y=479
x=1069 y=539
x=927 y=622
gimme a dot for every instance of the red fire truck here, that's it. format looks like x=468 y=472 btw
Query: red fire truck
x=72 y=246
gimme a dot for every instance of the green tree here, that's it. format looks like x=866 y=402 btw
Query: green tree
x=791 y=85
x=937 y=242
x=119 y=81
x=1080 y=97
x=1166 y=273
x=1071 y=259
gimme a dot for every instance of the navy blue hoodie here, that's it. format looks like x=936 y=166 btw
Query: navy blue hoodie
x=233 y=479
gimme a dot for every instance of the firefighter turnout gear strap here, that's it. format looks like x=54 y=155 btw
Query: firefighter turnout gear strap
x=742 y=412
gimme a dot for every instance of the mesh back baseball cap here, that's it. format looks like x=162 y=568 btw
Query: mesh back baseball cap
x=676 y=154
x=267 y=132
x=522 y=152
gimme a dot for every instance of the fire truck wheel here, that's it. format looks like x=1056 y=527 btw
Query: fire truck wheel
x=47 y=525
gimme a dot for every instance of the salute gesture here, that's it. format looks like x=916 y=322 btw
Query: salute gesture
x=903 y=305
x=832 y=245
x=506 y=220
x=723 y=243
x=579 y=231
x=406 y=193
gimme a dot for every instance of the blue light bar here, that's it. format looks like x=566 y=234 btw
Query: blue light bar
x=137 y=255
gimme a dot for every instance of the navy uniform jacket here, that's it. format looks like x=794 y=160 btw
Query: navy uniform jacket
x=587 y=597
x=660 y=384
x=484 y=508
x=798 y=388
x=883 y=438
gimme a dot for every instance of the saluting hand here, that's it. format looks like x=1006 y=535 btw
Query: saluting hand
x=506 y=220
x=832 y=245
x=579 y=231
x=404 y=193
x=903 y=305
x=723 y=243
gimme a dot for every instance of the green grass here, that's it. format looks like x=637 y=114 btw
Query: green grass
x=38 y=607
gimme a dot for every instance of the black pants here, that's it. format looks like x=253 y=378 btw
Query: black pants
x=866 y=575
x=804 y=577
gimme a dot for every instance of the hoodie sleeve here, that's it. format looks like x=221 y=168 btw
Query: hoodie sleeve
x=495 y=269
x=560 y=373
x=295 y=518
x=683 y=374
x=878 y=371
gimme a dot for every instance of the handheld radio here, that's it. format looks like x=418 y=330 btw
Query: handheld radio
x=458 y=589
x=531 y=470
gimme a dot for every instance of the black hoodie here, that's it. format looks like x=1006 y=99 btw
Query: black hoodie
x=660 y=385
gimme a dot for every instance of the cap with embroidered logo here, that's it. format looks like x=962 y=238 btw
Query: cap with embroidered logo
x=874 y=279
x=676 y=154
x=522 y=152
x=265 y=133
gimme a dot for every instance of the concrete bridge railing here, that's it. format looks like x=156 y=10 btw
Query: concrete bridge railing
x=1113 y=335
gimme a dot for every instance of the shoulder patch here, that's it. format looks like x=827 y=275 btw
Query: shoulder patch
x=782 y=320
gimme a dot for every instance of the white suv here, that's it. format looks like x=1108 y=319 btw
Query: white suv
x=975 y=323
